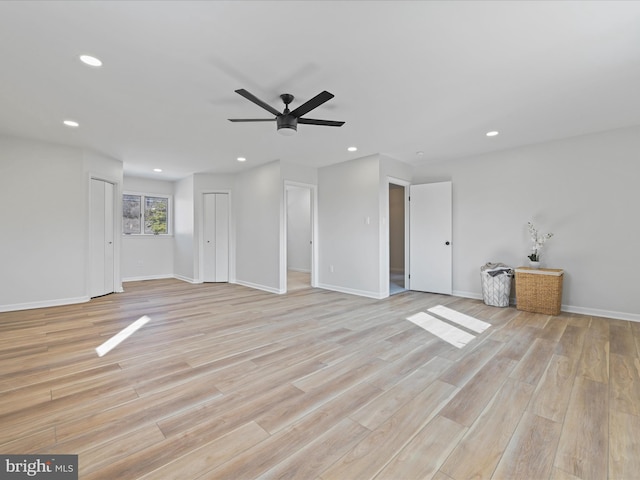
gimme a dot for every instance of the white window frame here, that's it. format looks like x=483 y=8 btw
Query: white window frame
x=142 y=196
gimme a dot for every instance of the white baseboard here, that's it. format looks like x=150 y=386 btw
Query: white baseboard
x=353 y=291
x=160 y=277
x=260 y=287
x=632 y=317
x=185 y=279
x=460 y=293
x=594 y=312
x=147 y=277
x=43 y=304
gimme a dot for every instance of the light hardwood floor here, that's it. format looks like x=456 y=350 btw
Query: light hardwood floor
x=229 y=382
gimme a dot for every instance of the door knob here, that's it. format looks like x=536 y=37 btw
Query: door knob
x=447 y=242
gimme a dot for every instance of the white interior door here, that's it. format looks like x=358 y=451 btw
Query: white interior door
x=430 y=238
x=102 y=238
x=215 y=250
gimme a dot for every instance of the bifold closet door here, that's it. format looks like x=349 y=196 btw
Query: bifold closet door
x=102 y=238
x=215 y=250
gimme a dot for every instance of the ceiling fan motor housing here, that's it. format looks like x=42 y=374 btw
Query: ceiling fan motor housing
x=287 y=124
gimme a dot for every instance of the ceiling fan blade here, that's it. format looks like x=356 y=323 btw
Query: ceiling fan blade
x=313 y=121
x=251 y=119
x=309 y=105
x=252 y=98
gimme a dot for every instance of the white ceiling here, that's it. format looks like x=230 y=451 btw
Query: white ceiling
x=407 y=77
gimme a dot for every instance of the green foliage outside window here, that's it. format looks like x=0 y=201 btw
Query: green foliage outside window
x=154 y=216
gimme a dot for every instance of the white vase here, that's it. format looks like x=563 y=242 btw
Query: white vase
x=533 y=264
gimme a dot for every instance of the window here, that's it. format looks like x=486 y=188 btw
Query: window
x=145 y=214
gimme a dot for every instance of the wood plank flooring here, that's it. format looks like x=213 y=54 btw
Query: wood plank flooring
x=226 y=382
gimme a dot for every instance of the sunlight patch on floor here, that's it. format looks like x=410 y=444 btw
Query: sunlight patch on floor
x=466 y=321
x=121 y=336
x=446 y=331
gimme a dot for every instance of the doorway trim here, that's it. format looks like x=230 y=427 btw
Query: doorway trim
x=314 y=233
x=386 y=263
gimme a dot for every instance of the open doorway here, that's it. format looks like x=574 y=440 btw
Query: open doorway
x=299 y=225
x=397 y=241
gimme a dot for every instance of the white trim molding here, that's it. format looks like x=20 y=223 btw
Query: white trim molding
x=43 y=304
x=257 y=286
x=353 y=291
x=149 y=277
x=594 y=312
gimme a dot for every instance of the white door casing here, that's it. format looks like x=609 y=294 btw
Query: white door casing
x=430 y=245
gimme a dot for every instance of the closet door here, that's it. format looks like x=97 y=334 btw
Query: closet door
x=102 y=238
x=215 y=250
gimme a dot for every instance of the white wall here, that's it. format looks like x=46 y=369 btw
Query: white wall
x=348 y=220
x=299 y=173
x=259 y=225
x=583 y=189
x=146 y=257
x=184 y=261
x=299 y=228
x=44 y=247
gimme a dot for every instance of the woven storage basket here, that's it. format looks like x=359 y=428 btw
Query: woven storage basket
x=539 y=290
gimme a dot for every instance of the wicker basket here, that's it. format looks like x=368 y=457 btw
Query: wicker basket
x=539 y=290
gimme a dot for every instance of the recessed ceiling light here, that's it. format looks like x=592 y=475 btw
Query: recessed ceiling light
x=157 y=170
x=493 y=133
x=71 y=123
x=242 y=159
x=353 y=149
x=91 y=61
x=420 y=153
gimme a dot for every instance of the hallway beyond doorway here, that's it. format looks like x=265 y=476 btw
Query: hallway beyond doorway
x=298 y=280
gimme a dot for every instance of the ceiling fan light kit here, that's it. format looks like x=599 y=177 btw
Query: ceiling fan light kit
x=287 y=125
x=287 y=121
